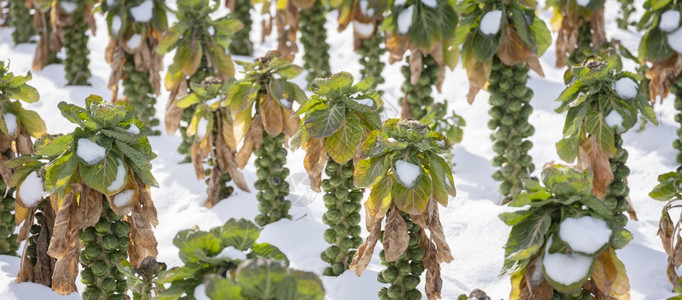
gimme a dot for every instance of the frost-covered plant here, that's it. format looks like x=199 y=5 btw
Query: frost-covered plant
x=21 y=20
x=17 y=126
x=314 y=39
x=135 y=30
x=337 y=117
x=46 y=48
x=669 y=189
x=261 y=104
x=200 y=44
x=661 y=48
x=366 y=15
x=562 y=246
x=241 y=42
x=427 y=29
x=581 y=29
x=141 y=279
x=601 y=102
x=98 y=177
x=71 y=20
x=408 y=179
x=500 y=41
x=226 y=263
x=211 y=128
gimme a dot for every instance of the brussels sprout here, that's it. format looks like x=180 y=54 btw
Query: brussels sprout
x=330 y=235
x=333 y=214
x=88 y=235
x=417 y=267
x=383 y=294
x=416 y=254
x=103 y=227
x=91 y=293
x=108 y=286
x=99 y=268
x=413 y=294
x=92 y=251
x=109 y=243
x=621 y=220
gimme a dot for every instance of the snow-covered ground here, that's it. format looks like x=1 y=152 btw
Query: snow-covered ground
x=472 y=228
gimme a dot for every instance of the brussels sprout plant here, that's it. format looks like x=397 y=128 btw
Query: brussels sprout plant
x=548 y=254
x=229 y=263
x=17 y=126
x=408 y=179
x=21 y=20
x=241 y=42
x=601 y=102
x=427 y=29
x=200 y=43
x=581 y=29
x=261 y=104
x=669 y=189
x=285 y=16
x=337 y=117
x=660 y=48
x=141 y=280
x=135 y=30
x=314 y=39
x=627 y=7
x=366 y=16
x=450 y=126
x=211 y=127
x=46 y=49
x=501 y=40
x=98 y=177
x=71 y=19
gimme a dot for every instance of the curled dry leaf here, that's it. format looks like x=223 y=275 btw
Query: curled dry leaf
x=527 y=287
x=142 y=240
x=291 y=122
x=5 y=172
x=315 y=159
x=416 y=65
x=609 y=278
x=271 y=115
x=287 y=27
x=23 y=143
x=592 y=156
x=478 y=74
x=662 y=75
x=90 y=207
x=65 y=246
x=115 y=57
x=364 y=254
x=251 y=142
x=396 y=237
x=227 y=163
x=122 y=209
x=198 y=154
x=598 y=28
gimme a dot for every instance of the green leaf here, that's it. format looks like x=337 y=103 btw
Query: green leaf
x=105 y=113
x=485 y=47
x=655 y=45
x=443 y=183
x=289 y=72
x=567 y=181
x=541 y=35
x=621 y=238
x=666 y=188
x=527 y=236
x=77 y=115
x=343 y=143
x=240 y=234
x=597 y=206
x=170 y=39
x=657 y=4
x=222 y=288
x=187 y=101
x=266 y=250
x=138 y=158
x=57 y=146
x=526 y=197
x=261 y=279
x=368 y=171
x=24 y=93
x=513 y=218
x=59 y=173
x=308 y=286
x=596 y=125
x=364 y=84
x=101 y=175
x=20 y=173
x=337 y=82
x=413 y=201
x=195 y=245
x=323 y=123
x=425 y=29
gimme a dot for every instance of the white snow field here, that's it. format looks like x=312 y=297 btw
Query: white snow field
x=472 y=227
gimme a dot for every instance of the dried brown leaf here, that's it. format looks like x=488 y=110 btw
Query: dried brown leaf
x=438 y=236
x=662 y=75
x=592 y=156
x=271 y=115
x=251 y=142
x=291 y=121
x=396 y=45
x=23 y=143
x=65 y=246
x=512 y=50
x=434 y=283
x=396 y=237
x=364 y=254
x=142 y=240
x=198 y=160
x=314 y=161
x=416 y=65
x=599 y=38
x=477 y=73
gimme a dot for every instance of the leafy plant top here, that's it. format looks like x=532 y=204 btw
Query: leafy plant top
x=336 y=118
x=263 y=100
x=553 y=230
x=669 y=189
x=509 y=29
x=232 y=265
x=16 y=121
x=600 y=100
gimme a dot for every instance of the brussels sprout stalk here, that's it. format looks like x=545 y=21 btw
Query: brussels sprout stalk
x=272 y=185
x=8 y=239
x=22 y=21
x=417 y=97
x=403 y=273
x=314 y=40
x=241 y=42
x=77 y=63
x=617 y=191
x=105 y=245
x=510 y=108
x=140 y=94
x=676 y=89
x=343 y=202
x=371 y=51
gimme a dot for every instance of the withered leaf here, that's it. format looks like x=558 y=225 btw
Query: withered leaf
x=396 y=237
x=65 y=247
x=142 y=240
x=314 y=162
x=592 y=156
x=364 y=254
x=271 y=115
x=90 y=207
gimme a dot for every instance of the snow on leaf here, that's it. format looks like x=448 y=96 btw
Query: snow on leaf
x=120 y=178
x=231 y=253
x=566 y=269
x=134 y=41
x=90 y=152
x=133 y=129
x=202 y=127
x=10 y=123
x=675 y=40
x=405 y=20
x=68 y=7
x=430 y=3
x=143 y=12
x=31 y=190
x=123 y=198
x=364 y=29
x=614 y=119
x=490 y=23
x=585 y=234
x=670 y=20
x=626 y=88
x=407 y=173
x=583 y=3
x=115 y=25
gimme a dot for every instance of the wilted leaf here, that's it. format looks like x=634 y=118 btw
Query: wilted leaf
x=396 y=236
x=364 y=254
x=314 y=162
x=592 y=156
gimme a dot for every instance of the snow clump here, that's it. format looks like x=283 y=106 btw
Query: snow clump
x=201 y=128
x=120 y=177
x=670 y=20
x=134 y=41
x=614 y=119
x=675 y=40
x=31 y=190
x=90 y=152
x=407 y=172
x=405 y=20
x=565 y=269
x=143 y=12
x=490 y=23
x=231 y=253
x=430 y=3
x=123 y=198
x=626 y=88
x=364 y=29
x=68 y=7
x=585 y=234
x=115 y=25
x=583 y=3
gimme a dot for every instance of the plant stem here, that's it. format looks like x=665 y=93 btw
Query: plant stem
x=418 y=96
x=77 y=63
x=371 y=51
x=314 y=39
x=140 y=94
x=241 y=43
x=403 y=273
x=272 y=182
x=22 y=21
